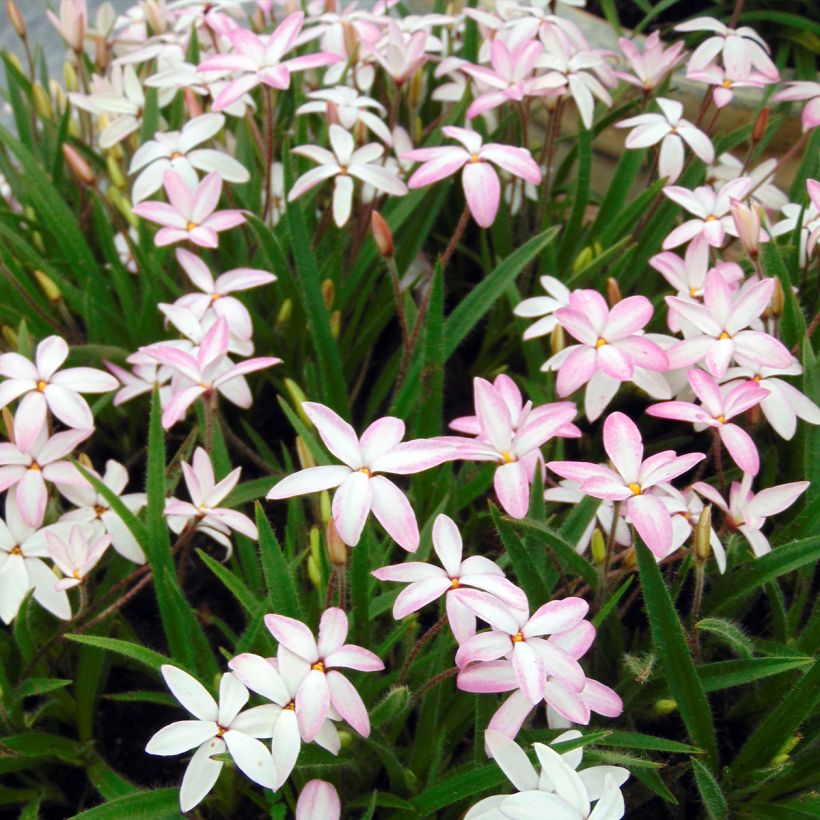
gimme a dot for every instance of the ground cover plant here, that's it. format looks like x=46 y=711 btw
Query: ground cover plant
x=372 y=447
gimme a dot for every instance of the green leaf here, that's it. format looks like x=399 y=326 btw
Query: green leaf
x=135 y=652
x=729 y=633
x=37 y=744
x=710 y=792
x=281 y=589
x=159 y=804
x=527 y=573
x=248 y=601
x=670 y=644
x=431 y=382
x=459 y=787
x=636 y=740
x=792 y=322
x=36 y=687
x=572 y=230
x=107 y=782
x=564 y=550
x=612 y=602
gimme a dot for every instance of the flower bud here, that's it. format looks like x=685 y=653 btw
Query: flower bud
x=85 y=461
x=315 y=543
x=747 y=224
x=598 y=546
x=154 y=17
x=778 y=300
x=42 y=102
x=336 y=548
x=10 y=335
x=102 y=53
x=192 y=105
x=332 y=113
x=351 y=40
x=759 y=128
x=392 y=704
x=557 y=340
x=335 y=323
x=123 y=205
x=16 y=19
x=296 y=398
x=583 y=259
x=78 y=165
x=382 y=235
x=665 y=706
x=314 y=572
x=8 y=423
x=630 y=563
x=703 y=534
x=285 y=312
x=345 y=738
x=325 y=507
x=304 y=455
x=328 y=292
x=48 y=286
x=613 y=292
x=58 y=97
x=416 y=88
x=70 y=76
x=784 y=753
x=15 y=61
x=114 y=172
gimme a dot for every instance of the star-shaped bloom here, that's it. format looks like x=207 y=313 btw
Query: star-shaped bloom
x=350 y=108
x=725 y=82
x=203 y=510
x=257 y=59
x=653 y=65
x=764 y=191
x=344 y=163
x=803 y=90
x=805 y=219
x=177 y=150
x=77 y=555
x=144 y=376
x=42 y=386
x=190 y=213
x=479 y=179
x=630 y=479
x=217 y=729
x=747 y=512
x=543 y=308
x=721 y=327
x=671 y=131
x=324 y=686
x=428 y=582
x=718 y=406
x=361 y=488
x=400 y=53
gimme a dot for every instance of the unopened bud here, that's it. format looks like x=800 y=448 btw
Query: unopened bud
x=336 y=548
x=351 y=40
x=345 y=738
x=630 y=562
x=102 y=53
x=392 y=704
x=10 y=335
x=154 y=17
x=16 y=19
x=14 y=60
x=557 y=340
x=778 y=301
x=58 y=96
x=325 y=507
x=304 y=455
x=328 y=293
x=314 y=572
x=297 y=397
x=415 y=90
x=335 y=323
x=703 y=534
x=598 y=546
x=666 y=706
x=613 y=292
x=48 y=286
x=78 y=165
x=759 y=128
x=8 y=423
x=114 y=172
x=192 y=105
x=123 y=205
x=42 y=102
x=747 y=225
x=70 y=76
x=285 y=312
x=382 y=235
x=332 y=113
x=85 y=461
x=583 y=259
x=315 y=543
x=786 y=750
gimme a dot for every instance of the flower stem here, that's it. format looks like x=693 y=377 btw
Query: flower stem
x=448 y=673
x=430 y=633
x=269 y=146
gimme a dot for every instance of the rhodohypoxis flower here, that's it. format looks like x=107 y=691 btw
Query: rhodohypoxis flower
x=482 y=188
x=344 y=163
x=711 y=211
x=724 y=82
x=217 y=729
x=764 y=191
x=651 y=67
x=318 y=800
x=612 y=349
x=722 y=327
x=360 y=487
x=400 y=53
x=92 y=508
x=203 y=511
x=519 y=637
x=747 y=512
x=543 y=307
x=808 y=220
x=206 y=372
x=76 y=556
x=784 y=403
x=43 y=386
x=510 y=434
x=559 y=792
x=741 y=49
x=428 y=582
x=717 y=407
x=215 y=295
x=511 y=77
x=630 y=479
x=22 y=548
x=278 y=679
x=350 y=108
x=324 y=686
x=258 y=60
x=803 y=90
x=671 y=131
x=177 y=150
x=71 y=22
x=190 y=213
x=144 y=376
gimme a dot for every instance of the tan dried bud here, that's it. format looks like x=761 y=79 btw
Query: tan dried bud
x=328 y=293
x=102 y=53
x=154 y=17
x=16 y=19
x=703 y=534
x=598 y=545
x=382 y=235
x=778 y=301
x=613 y=292
x=351 y=40
x=630 y=563
x=557 y=340
x=42 y=102
x=336 y=548
x=332 y=113
x=415 y=92
x=48 y=286
x=78 y=165
x=8 y=423
x=85 y=461
x=759 y=128
x=304 y=455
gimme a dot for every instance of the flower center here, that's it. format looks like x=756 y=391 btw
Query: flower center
x=365 y=471
x=600 y=343
x=454 y=583
x=711 y=218
x=635 y=488
x=291 y=706
x=98 y=511
x=721 y=419
x=517 y=638
x=177 y=155
x=693 y=292
x=727 y=83
x=41 y=385
x=318 y=666
x=190 y=226
x=76 y=575
x=343 y=170
x=724 y=335
x=15 y=550
x=220 y=730
x=215 y=296
x=507 y=456
x=35 y=466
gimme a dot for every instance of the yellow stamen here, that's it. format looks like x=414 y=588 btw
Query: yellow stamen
x=291 y=706
x=215 y=296
x=507 y=456
x=518 y=637
x=177 y=155
x=190 y=226
x=635 y=488
x=454 y=583
x=710 y=218
x=724 y=335
x=76 y=575
x=342 y=170
x=366 y=471
x=721 y=419
x=35 y=466
x=318 y=666
x=475 y=158
x=220 y=730
x=42 y=385
x=15 y=551
x=98 y=511
x=693 y=292
x=727 y=83
x=600 y=343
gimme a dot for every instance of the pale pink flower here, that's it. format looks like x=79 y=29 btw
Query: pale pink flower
x=653 y=66
x=94 y=511
x=479 y=179
x=764 y=191
x=278 y=679
x=361 y=488
x=630 y=479
x=747 y=512
x=190 y=213
x=142 y=379
x=400 y=53
x=258 y=60
x=725 y=82
x=344 y=163
x=510 y=433
x=543 y=308
x=721 y=327
x=803 y=90
x=217 y=729
x=747 y=226
x=22 y=548
x=741 y=49
x=511 y=77
x=318 y=800
x=207 y=371
x=805 y=220
x=75 y=557
x=612 y=349
x=325 y=687
x=428 y=582
x=351 y=108
x=710 y=209
x=194 y=328
x=71 y=22
x=671 y=131
x=716 y=410
x=27 y=469
x=203 y=510
x=43 y=387
x=784 y=403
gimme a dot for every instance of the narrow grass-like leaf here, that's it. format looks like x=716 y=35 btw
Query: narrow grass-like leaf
x=281 y=589
x=728 y=633
x=527 y=573
x=232 y=583
x=710 y=792
x=564 y=551
x=159 y=804
x=133 y=651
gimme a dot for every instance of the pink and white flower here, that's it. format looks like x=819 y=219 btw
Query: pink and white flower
x=803 y=90
x=76 y=556
x=653 y=66
x=70 y=22
x=482 y=187
x=318 y=800
x=806 y=221
x=543 y=308
x=630 y=479
x=361 y=487
x=724 y=82
x=350 y=108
